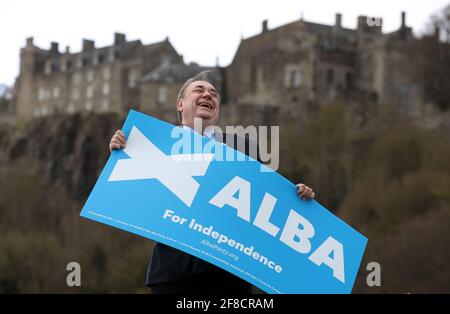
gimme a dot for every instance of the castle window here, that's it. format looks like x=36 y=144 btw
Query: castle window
x=90 y=76
x=55 y=109
x=292 y=75
x=48 y=67
x=76 y=78
x=88 y=105
x=101 y=58
x=162 y=95
x=63 y=65
x=105 y=88
x=75 y=93
x=111 y=54
x=326 y=44
x=41 y=94
x=105 y=104
x=253 y=73
x=71 y=108
x=54 y=67
x=55 y=92
x=294 y=78
x=403 y=92
x=165 y=60
x=89 y=91
x=349 y=80
x=133 y=76
x=44 y=110
x=330 y=76
x=95 y=58
x=106 y=73
x=86 y=60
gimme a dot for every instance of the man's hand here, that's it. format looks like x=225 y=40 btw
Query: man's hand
x=305 y=192
x=118 y=141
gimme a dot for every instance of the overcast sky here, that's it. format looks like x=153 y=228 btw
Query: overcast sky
x=200 y=30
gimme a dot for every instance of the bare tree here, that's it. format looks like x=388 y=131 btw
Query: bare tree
x=434 y=65
x=440 y=24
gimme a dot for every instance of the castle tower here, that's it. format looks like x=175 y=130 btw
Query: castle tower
x=26 y=82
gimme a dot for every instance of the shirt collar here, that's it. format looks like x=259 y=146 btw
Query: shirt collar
x=209 y=132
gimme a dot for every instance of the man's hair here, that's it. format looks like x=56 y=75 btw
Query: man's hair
x=202 y=76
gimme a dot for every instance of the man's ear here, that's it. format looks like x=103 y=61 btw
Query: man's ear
x=180 y=105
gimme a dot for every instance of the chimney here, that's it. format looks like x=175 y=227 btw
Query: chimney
x=362 y=22
x=54 y=48
x=30 y=41
x=338 y=20
x=264 y=26
x=437 y=31
x=370 y=24
x=119 y=38
x=67 y=50
x=403 y=19
x=88 y=45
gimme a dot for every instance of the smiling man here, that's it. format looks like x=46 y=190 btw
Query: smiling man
x=171 y=270
x=198 y=98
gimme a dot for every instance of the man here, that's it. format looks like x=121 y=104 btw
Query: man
x=171 y=270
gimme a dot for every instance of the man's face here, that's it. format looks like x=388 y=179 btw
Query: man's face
x=201 y=100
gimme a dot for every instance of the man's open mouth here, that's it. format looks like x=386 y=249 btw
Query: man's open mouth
x=206 y=105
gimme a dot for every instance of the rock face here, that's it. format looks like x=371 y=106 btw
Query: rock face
x=71 y=149
x=49 y=166
x=47 y=169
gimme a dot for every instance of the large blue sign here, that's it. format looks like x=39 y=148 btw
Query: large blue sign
x=232 y=212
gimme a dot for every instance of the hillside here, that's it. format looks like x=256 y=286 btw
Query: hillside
x=391 y=184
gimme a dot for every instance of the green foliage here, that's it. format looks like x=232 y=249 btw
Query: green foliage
x=319 y=154
x=389 y=179
x=405 y=174
x=385 y=179
x=43 y=232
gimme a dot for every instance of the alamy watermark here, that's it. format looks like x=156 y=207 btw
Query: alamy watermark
x=73 y=278
x=373 y=21
x=373 y=279
x=256 y=141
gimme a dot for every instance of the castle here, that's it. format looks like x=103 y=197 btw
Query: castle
x=289 y=70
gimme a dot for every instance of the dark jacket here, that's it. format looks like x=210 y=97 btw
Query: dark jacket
x=170 y=265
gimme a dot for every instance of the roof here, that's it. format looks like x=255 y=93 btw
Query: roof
x=269 y=38
x=170 y=73
x=316 y=28
x=400 y=34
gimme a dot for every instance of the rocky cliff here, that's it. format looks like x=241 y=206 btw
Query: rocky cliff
x=47 y=169
x=70 y=150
